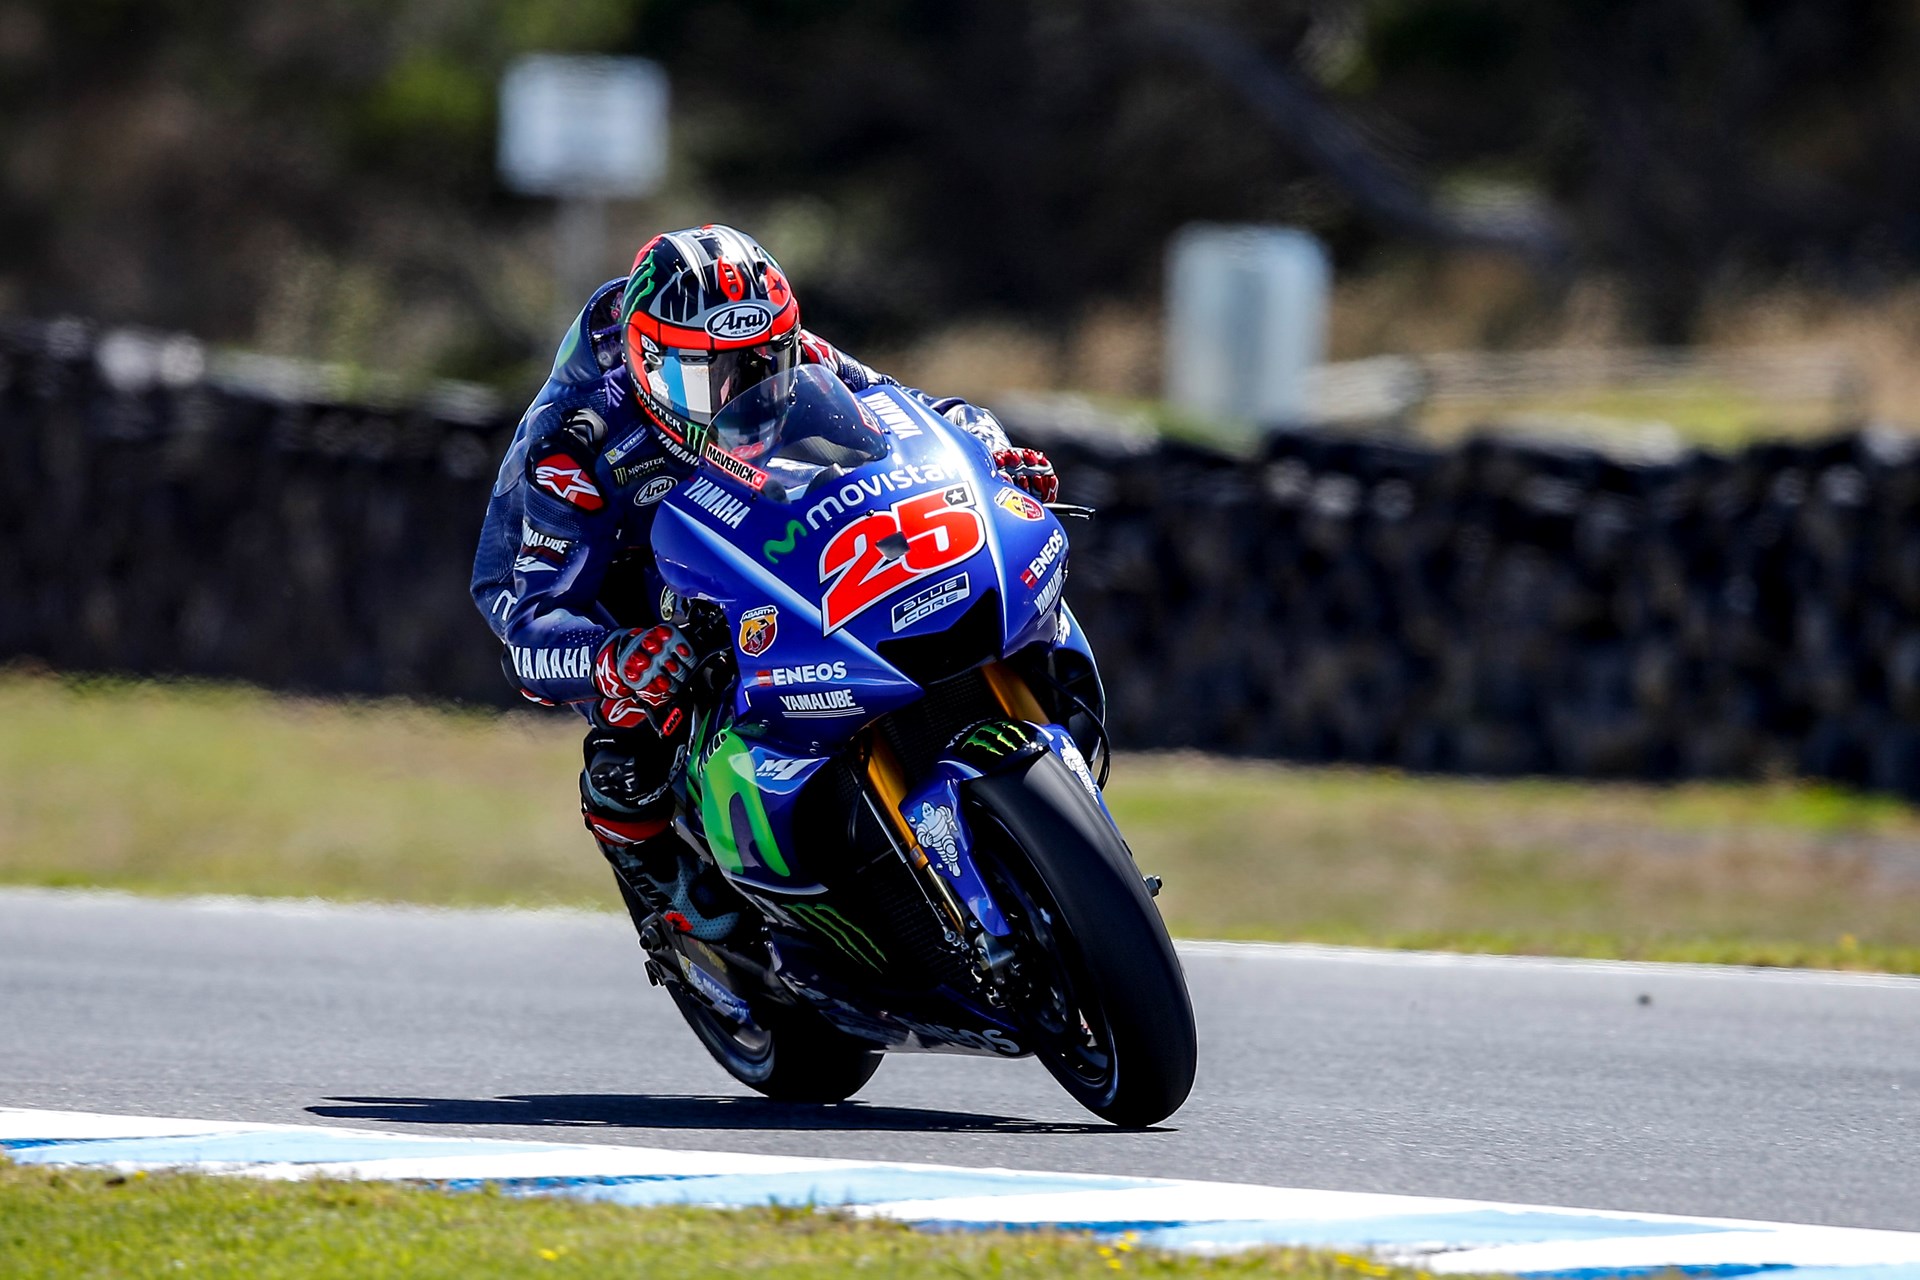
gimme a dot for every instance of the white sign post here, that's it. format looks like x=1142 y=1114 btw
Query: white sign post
x=582 y=130
x=1246 y=320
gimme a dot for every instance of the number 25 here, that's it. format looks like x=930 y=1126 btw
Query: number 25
x=940 y=529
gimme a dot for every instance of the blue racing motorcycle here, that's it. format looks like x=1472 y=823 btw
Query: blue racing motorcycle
x=889 y=762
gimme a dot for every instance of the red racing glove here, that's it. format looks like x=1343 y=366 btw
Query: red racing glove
x=640 y=673
x=1030 y=470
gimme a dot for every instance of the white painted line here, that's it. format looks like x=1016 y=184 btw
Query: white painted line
x=1780 y=1247
x=292 y=908
x=1440 y=1235
x=1316 y=951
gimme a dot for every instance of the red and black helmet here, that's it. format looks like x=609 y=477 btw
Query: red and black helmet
x=708 y=313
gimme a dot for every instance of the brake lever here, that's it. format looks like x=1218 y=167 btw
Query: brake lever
x=1068 y=509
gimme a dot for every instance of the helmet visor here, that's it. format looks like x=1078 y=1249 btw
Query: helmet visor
x=697 y=384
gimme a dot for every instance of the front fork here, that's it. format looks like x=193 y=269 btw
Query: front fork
x=888 y=780
x=926 y=822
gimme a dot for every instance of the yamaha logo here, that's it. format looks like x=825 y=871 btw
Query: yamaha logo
x=740 y=320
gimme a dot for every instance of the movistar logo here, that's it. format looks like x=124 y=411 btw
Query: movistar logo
x=774 y=548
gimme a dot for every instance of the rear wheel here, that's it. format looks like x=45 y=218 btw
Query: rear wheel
x=1096 y=982
x=792 y=1054
x=789 y=1053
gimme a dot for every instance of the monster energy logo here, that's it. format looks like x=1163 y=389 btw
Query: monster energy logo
x=774 y=548
x=642 y=283
x=997 y=738
x=842 y=932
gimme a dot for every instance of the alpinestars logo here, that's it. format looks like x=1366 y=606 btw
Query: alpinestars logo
x=562 y=477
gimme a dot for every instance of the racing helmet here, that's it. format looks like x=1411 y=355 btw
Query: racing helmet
x=708 y=313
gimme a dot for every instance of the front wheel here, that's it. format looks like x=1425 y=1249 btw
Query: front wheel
x=1096 y=981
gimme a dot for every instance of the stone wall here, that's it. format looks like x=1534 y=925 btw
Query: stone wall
x=1496 y=608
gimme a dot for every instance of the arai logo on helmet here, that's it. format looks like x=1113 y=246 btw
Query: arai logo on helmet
x=740 y=320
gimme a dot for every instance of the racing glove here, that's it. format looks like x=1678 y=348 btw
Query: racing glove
x=1030 y=470
x=641 y=673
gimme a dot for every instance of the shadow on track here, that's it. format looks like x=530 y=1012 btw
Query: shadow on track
x=685 y=1111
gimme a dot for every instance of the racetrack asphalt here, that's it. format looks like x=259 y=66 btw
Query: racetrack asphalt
x=1673 y=1089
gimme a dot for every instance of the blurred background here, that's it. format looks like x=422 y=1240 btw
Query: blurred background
x=1494 y=387
x=983 y=192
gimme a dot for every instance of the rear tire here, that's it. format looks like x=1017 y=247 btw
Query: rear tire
x=795 y=1056
x=1060 y=860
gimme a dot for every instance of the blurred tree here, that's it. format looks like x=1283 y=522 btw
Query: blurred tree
x=317 y=175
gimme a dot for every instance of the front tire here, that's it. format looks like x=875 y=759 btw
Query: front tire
x=1107 y=1000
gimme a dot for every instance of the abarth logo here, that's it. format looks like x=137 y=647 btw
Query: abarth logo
x=758 y=628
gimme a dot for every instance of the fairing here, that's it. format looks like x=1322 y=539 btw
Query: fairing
x=894 y=532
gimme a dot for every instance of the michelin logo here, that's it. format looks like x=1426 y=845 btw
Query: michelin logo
x=938 y=832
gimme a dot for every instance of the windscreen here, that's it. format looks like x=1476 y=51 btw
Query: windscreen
x=798 y=428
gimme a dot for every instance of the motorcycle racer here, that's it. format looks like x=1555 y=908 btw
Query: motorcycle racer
x=564 y=572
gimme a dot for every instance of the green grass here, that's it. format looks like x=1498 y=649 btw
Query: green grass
x=188 y=789
x=1693 y=412
x=71 y=1223
x=1698 y=412
x=1781 y=873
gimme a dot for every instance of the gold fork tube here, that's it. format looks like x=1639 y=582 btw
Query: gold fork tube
x=890 y=784
x=1011 y=692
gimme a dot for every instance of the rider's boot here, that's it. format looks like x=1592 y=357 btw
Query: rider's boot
x=627 y=801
